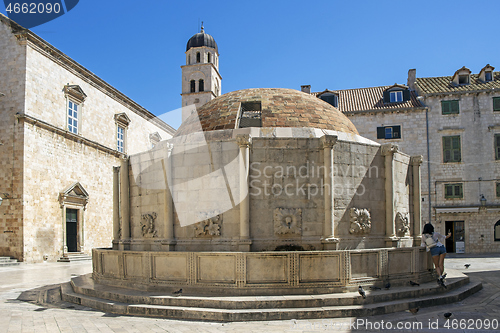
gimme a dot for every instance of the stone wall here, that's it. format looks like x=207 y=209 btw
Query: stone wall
x=46 y=175
x=287 y=192
x=40 y=158
x=243 y=273
x=12 y=78
x=413 y=138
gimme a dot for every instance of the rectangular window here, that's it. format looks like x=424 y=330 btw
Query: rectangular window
x=463 y=79
x=498 y=190
x=449 y=107
x=251 y=114
x=121 y=139
x=389 y=132
x=72 y=117
x=488 y=76
x=497 y=146
x=451 y=149
x=496 y=103
x=453 y=191
x=396 y=96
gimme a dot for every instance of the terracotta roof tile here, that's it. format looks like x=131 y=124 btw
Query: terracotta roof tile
x=280 y=107
x=366 y=99
x=443 y=84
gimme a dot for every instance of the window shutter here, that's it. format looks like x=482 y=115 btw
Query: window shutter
x=396 y=130
x=454 y=107
x=445 y=107
x=496 y=103
x=449 y=190
x=406 y=95
x=380 y=133
x=387 y=96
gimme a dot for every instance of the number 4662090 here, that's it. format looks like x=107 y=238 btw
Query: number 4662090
x=33 y=8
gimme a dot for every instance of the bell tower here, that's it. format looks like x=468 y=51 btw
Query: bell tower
x=201 y=81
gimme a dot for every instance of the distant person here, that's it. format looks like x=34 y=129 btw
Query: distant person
x=434 y=242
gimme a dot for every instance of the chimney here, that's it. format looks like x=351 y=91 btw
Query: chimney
x=306 y=89
x=412 y=77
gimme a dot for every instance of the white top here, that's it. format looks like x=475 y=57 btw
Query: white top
x=438 y=238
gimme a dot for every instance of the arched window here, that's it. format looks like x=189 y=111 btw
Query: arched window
x=209 y=57
x=497 y=231
x=201 y=85
x=198 y=57
x=189 y=59
x=193 y=86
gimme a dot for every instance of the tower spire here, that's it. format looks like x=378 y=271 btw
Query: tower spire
x=202 y=29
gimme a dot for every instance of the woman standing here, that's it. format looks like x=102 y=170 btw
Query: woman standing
x=433 y=241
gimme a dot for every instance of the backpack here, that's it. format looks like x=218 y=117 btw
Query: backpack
x=430 y=242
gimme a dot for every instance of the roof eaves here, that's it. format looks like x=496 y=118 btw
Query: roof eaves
x=386 y=110
x=44 y=47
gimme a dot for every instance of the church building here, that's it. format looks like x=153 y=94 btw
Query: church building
x=62 y=130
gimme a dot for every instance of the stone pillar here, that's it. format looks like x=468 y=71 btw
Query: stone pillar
x=244 y=141
x=65 y=245
x=328 y=240
x=116 y=207
x=388 y=151
x=416 y=161
x=125 y=204
x=169 y=243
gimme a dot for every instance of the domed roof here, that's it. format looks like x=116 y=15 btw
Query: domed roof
x=201 y=39
x=279 y=108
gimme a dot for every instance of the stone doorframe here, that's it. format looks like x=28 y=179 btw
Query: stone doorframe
x=73 y=197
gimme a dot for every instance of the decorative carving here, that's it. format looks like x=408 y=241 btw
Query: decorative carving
x=243 y=140
x=288 y=221
x=328 y=141
x=208 y=227
x=360 y=221
x=402 y=223
x=389 y=148
x=416 y=160
x=148 y=228
x=75 y=91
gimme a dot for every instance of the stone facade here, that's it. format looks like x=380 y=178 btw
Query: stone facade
x=47 y=170
x=423 y=126
x=249 y=273
x=288 y=192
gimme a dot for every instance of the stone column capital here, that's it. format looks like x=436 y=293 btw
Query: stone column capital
x=328 y=141
x=389 y=149
x=169 y=147
x=417 y=160
x=243 y=140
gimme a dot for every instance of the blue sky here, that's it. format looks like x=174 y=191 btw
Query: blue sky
x=138 y=46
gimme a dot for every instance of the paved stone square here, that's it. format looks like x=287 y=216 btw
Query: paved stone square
x=20 y=316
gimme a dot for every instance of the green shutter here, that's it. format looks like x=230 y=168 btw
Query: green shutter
x=497 y=146
x=454 y=107
x=498 y=189
x=380 y=132
x=445 y=107
x=496 y=103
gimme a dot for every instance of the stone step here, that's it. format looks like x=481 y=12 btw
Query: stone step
x=86 y=286
x=75 y=256
x=8 y=261
x=246 y=308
